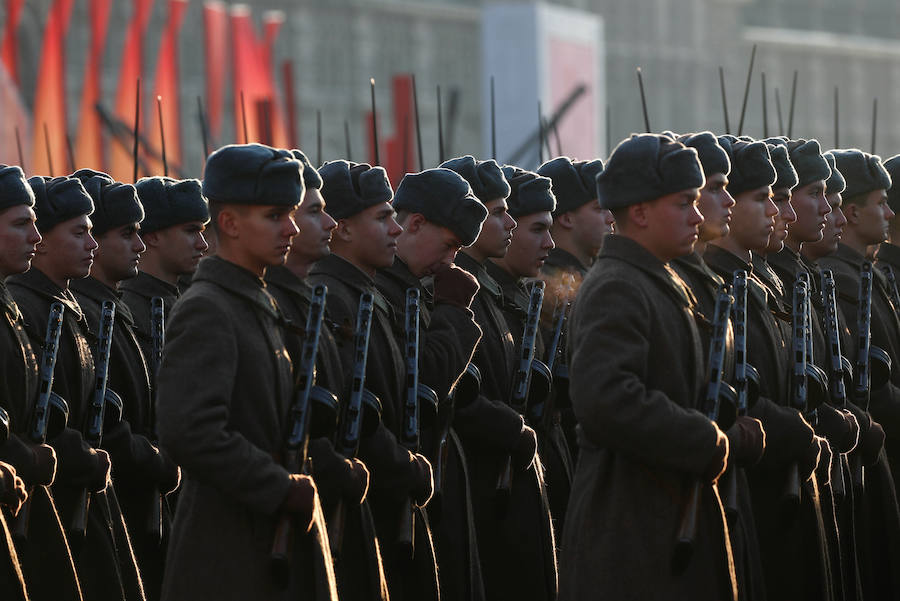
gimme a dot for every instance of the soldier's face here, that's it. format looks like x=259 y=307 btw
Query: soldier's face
x=715 y=205
x=811 y=207
x=119 y=253
x=426 y=247
x=590 y=225
x=18 y=238
x=673 y=224
x=753 y=219
x=834 y=228
x=785 y=217
x=180 y=247
x=315 y=225
x=873 y=219
x=530 y=246
x=496 y=231
x=373 y=234
x=264 y=234
x=67 y=251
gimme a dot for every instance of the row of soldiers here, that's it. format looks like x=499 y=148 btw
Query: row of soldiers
x=340 y=441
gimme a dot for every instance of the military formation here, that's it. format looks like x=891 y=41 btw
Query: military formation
x=669 y=376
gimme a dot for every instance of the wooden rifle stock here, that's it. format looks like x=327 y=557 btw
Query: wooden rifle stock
x=687 y=531
x=347 y=442
x=521 y=384
x=297 y=443
x=93 y=429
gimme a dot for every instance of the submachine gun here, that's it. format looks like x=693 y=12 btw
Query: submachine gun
x=50 y=412
x=158 y=341
x=103 y=398
x=687 y=530
x=839 y=368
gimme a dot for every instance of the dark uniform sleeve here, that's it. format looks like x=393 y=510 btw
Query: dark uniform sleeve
x=615 y=409
x=447 y=346
x=17 y=452
x=490 y=422
x=196 y=382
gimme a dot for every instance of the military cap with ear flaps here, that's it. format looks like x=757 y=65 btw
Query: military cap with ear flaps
x=115 y=204
x=253 y=174
x=14 y=188
x=530 y=192
x=484 y=177
x=169 y=202
x=351 y=188
x=862 y=171
x=751 y=165
x=574 y=182
x=58 y=199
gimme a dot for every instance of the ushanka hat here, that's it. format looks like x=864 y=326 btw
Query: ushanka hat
x=862 y=171
x=836 y=182
x=444 y=198
x=529 y=192
x=785 y=175
x=484 y=177
x=574 y=182
x=751 y=165
x=892 y=166
x=253 y=174
x=14 y=188
x=311 y=177
x=115 y=204
x=58 y=199
x=646 y=167
x=713 y=157
x=168 y=202
x=351 y=188
x=806 y=157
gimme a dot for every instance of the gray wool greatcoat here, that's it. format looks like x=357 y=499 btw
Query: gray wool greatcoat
x=636 y=381
x=225 y=389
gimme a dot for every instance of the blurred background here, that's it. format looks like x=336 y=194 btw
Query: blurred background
x=70 y=67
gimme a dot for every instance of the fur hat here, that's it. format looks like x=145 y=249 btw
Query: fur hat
x=253 y=174
x=445 y=198
x=862 y=171
x=169 y=202
x=574 y=182
x=484 y=177
x=14 y=188
x=351 y=188
x=58 y=199
x=115 y=204
x=529 y=192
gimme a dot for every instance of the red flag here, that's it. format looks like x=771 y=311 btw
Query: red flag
x=10 y=50
x=132 y=67
x=50 y=95
x=215 y=34
x=401 y=147
x=168 y=90
x=89 y=145
x=14 y=117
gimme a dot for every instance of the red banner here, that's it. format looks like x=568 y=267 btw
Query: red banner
x=89 y=144
x=132 y=67
x=215 y=36
x=15 y=119
x=50 y=96
x=167 y=90
x=9 y=53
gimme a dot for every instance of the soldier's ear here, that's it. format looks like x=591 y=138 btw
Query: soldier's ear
x=151 y=240
x=851 y=212
x=227 y=222
x=639 y=214
x=565 y=221
x=343 y=231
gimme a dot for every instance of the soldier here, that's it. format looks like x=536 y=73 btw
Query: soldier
x=516 y=562
x=175 y=217
x=141 y=472
x=746 y=437
x=225 y=390
x=868 y=217
x=790 y=440
x=439 y=215
x=637 y=379
x=103 y=555
x=889 y=251
x=45 y=557
x=358 y=197
x=358 y=569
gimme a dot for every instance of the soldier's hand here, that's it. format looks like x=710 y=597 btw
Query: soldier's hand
x=871 y=440
x=746 y=441
x=718 y=463
x=12 y=488
x=455 y=286
x=169 y=475
x=301 y=499
x=423 y=479
x=355 y=483
x=823 y=469
x=100 y=478
x=526 y=448
x=840 y=427
x=44 y=464
x=809 y=459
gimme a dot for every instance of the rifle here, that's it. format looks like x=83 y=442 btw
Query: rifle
x=158 y=338
x=892 y=282
x=862 y=378
x=352 y=422
x=799 y=382
x=541 y=412
x=838 y=365
x=687 y=531
x=48 y=403
x=297 y=442
x=415 y=392
x=521 y=384
x=96 y=415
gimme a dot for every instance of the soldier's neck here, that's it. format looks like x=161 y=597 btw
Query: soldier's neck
x=475 y=254
x=852 y=239
x=564 y=242
x=151 y=265
x=299 y=265
x=794 y=245
x=61 y=281
x=730 y=244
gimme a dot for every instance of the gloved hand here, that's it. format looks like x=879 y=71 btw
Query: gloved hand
x=44 y=464
x=100 y=477
x=718 y=463
x=746 y=441
x=169 y=477
x=355 y=483
x=525 y=449
x=808 y=459
x=422 y=479
x=12 y=488
x=871 y=441
x=301 y=499
x=840 y=427
x=455 y=286
x=823 y=469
